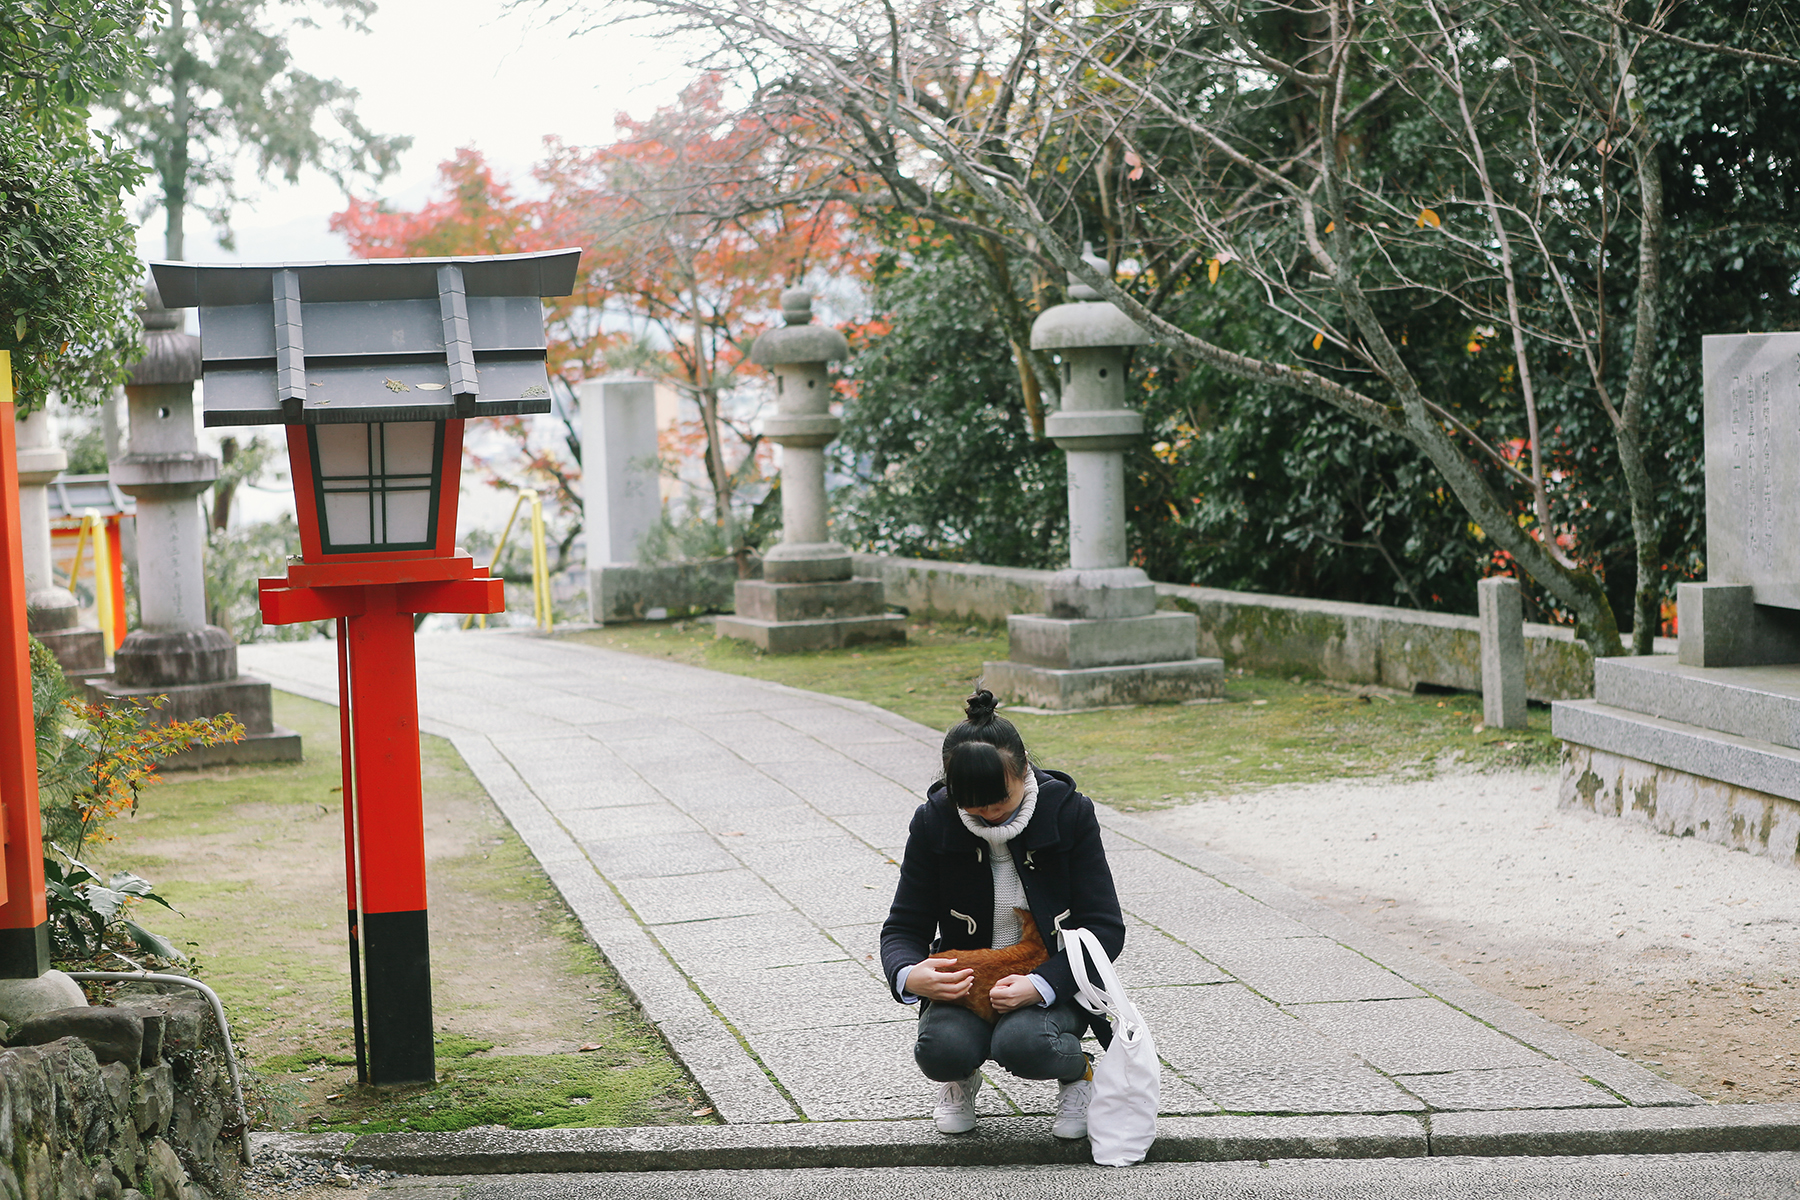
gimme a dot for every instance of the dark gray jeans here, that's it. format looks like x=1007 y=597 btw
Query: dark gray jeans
x=1032 y=1042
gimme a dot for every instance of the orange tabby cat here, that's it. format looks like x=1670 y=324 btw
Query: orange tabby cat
x=991 y=966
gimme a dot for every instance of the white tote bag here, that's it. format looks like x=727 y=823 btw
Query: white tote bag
x=1128 y=1079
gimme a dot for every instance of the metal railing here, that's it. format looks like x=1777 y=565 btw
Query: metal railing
x=542 y=612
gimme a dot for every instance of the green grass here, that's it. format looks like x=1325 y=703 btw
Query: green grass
x=1266 y=731
x=253 y=858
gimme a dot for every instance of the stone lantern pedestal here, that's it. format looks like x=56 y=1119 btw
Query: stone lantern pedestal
x=807 y=598
x=53 y=615
x=174 y=652
x=1100 y=640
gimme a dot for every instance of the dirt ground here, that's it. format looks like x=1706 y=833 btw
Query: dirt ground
x=253 y=858
x=1677 y=953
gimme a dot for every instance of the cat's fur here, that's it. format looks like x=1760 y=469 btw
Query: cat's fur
x=991 y=966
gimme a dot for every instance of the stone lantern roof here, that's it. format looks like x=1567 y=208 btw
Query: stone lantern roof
x=1087 y=322
x=799 y=341
x=171 y=354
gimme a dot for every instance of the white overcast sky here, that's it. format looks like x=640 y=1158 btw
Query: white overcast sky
x=450 y=73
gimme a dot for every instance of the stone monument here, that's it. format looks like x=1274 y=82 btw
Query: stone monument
x=174 y=652
x=53 y=615
x=1502 y=614
x=807 y=598
x=1101 y=640
x=1706 y=742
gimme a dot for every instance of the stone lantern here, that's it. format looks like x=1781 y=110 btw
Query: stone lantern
x=807 y=598
x=174 y=652
x=1100 y=640
x=53 y=613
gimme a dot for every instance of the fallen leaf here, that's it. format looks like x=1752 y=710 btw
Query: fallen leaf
x=589 y=1046
x=702 y=1112
x=732 y=833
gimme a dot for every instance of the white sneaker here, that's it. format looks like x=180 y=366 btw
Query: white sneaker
x=1071 y=1109
x=955 y=1111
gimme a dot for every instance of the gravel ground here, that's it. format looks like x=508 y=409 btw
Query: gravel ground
x=1675 y=952
x=278 y=1175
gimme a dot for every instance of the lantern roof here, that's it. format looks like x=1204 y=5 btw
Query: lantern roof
x=391 y=339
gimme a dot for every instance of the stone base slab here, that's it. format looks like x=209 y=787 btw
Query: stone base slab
x=762 y=600
x=79 y=651
x=799 y=637
x=1103 y=687
x=807 y=562
x=1679 y=803
x=1064 y=644
x=1706 y=753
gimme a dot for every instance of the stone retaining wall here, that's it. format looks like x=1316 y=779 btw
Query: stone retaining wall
x=108 y=1116
x=1351 y=643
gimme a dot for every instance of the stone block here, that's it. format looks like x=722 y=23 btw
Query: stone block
x=155 y=1099
x=630 y=592
x=1502 y=652
x=244 y=697
x=146 y=658
x=113 y=1034
x=623 y=501
x=807 y=562
x=1412 y=1037
x=800 y=637
x=1099 y=594
x=21 y=999
x=1758 y=1128
x=1305 y=1088
x=1065 y=644
x=77 y=651
x=1104 y=687
x=1761 y=703
x=763 y=600
x=1680 y=803
x=1690 y=749
x=1310 y=970
x=1722 y=626
x=1752 y=420
x=1551 y=1085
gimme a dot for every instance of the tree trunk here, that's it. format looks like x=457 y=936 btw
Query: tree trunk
x=226 y=487
x=1646 y=522
x=175 y=172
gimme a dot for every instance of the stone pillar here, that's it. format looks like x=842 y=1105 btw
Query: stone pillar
x=1100 y=641
x=1502 y=652
x=174 y=652
x=54 y=613
x=806 y=599
x=618 y=467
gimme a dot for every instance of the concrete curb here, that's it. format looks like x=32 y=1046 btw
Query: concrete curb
x=1025 y=1141
x=1016 y=1141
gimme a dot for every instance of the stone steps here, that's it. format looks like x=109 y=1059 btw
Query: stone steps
x=1743 y=762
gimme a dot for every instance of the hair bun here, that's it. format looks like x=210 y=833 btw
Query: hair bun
x=980 y=706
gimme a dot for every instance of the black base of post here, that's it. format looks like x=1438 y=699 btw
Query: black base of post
x=24 y=953
x=397 y=969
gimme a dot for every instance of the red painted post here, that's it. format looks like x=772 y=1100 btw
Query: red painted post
x=24 y=921
x=390 y=829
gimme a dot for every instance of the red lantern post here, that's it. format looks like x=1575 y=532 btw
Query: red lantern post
x=373 y=368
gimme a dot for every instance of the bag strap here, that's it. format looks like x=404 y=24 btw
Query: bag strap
x=1084 y=948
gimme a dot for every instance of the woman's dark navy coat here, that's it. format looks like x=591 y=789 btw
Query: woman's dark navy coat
x=945 y=900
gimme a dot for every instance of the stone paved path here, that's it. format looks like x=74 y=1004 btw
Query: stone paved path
x=730 y=844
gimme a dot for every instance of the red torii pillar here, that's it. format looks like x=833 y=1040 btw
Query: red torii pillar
x=24 y=919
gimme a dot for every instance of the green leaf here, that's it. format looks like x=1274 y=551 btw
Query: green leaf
x=153 y=943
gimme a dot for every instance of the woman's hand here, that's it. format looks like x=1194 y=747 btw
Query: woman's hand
x=1015 y=991
x=938 y=979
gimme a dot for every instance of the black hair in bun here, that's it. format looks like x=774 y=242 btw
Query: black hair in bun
x=982 y=754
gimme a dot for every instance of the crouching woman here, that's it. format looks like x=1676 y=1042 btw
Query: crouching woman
x=996 y=835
